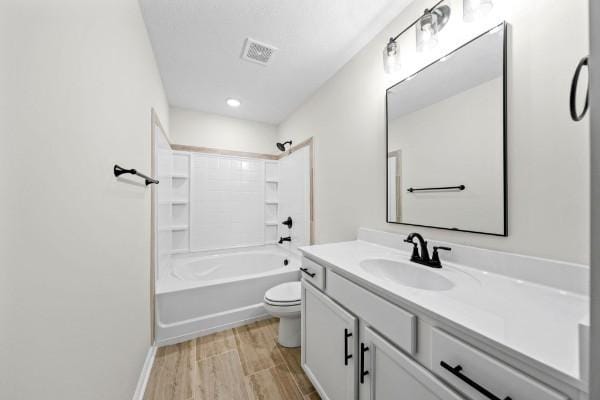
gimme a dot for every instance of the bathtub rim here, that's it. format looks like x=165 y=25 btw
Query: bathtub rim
x=171 y=284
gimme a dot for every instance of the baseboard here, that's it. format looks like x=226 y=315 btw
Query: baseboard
x=145 y=374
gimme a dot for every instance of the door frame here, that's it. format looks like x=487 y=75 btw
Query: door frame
x=594 y=64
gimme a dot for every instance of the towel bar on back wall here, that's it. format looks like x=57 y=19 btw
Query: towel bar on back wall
x=117 y=170
x=459 y=188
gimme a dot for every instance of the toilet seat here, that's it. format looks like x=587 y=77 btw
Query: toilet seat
x=284 y=295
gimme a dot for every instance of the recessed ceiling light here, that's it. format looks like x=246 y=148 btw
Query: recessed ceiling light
x=233 y=103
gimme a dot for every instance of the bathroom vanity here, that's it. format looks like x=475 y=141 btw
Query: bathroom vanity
x=487 y=325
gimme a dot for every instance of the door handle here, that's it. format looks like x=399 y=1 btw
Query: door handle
x=573 y=96
x=346 y=355
x=457 y=371
x=363 y=373
x=307 y=272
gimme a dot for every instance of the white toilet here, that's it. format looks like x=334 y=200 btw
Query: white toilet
x=283 y=301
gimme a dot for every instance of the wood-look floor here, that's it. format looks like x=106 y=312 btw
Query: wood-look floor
x=243 y=363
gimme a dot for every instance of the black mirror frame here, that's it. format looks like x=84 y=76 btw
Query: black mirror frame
x=504 y=233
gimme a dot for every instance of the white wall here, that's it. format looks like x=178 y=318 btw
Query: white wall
x=78 y=82
x=548 y=154
x=196 y=128
x=456 y=141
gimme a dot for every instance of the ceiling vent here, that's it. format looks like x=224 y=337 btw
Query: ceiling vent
x=258 y=52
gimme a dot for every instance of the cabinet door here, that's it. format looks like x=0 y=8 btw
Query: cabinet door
x=390 y=374
x=328 y=345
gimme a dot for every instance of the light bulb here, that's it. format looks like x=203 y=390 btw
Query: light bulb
x=427 y=31
x=233 y=102
x=426 y=34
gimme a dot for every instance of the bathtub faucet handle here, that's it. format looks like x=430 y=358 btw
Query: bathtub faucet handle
x=288 y=222
x=285 y=239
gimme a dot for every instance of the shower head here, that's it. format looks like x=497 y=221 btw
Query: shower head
x=281 y=146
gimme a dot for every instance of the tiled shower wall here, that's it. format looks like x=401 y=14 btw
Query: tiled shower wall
x=227 y=202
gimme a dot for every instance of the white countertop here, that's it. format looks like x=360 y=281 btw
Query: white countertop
x=536 y=323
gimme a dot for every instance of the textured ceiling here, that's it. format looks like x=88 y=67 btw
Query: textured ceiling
x=198 y=44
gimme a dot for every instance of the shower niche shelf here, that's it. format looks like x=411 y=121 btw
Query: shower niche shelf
x=180 y=194
x=173 y=202
x=180 y=241
x=271 y=202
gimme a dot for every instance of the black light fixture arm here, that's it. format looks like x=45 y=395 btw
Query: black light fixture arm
x=118 y=171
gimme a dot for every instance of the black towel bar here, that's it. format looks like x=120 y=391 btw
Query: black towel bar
x=460 y=187
x=117 y=170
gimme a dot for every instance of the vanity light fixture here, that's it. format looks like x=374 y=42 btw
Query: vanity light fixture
x=428 y=25
x=231 y=102
x=391 y=57
x=476 y=9
x=431 y=22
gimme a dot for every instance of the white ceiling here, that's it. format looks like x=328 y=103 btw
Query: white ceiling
x=198 y=44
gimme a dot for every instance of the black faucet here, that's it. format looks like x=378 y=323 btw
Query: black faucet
x=285 y=239
x=423 y=257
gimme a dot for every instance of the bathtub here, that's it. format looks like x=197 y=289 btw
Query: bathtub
x=202 y=293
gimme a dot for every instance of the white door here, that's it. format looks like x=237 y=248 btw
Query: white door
x=390 y=374
x=328 y=345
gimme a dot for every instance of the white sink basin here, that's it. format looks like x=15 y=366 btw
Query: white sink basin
x=407 y=274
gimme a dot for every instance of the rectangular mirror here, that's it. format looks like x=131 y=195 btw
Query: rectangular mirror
x=446 y=141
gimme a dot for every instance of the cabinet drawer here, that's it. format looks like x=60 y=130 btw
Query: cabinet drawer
x=489 y=374
x=313 y=273
x=396 y=324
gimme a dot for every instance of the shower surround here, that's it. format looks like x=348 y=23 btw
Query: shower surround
x=219 y=218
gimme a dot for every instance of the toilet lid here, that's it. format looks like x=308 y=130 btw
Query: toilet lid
x=288 y=292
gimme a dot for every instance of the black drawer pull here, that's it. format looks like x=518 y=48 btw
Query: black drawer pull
x=307 y=272
x=346 y=355
x=456 y=371
x=363 y=373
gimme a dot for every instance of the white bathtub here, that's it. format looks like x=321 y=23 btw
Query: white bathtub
x=203 y=293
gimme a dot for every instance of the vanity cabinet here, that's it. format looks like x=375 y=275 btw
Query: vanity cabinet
x=337 y=359
x=328 y=345
x=388 y=373
x=358 y=345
